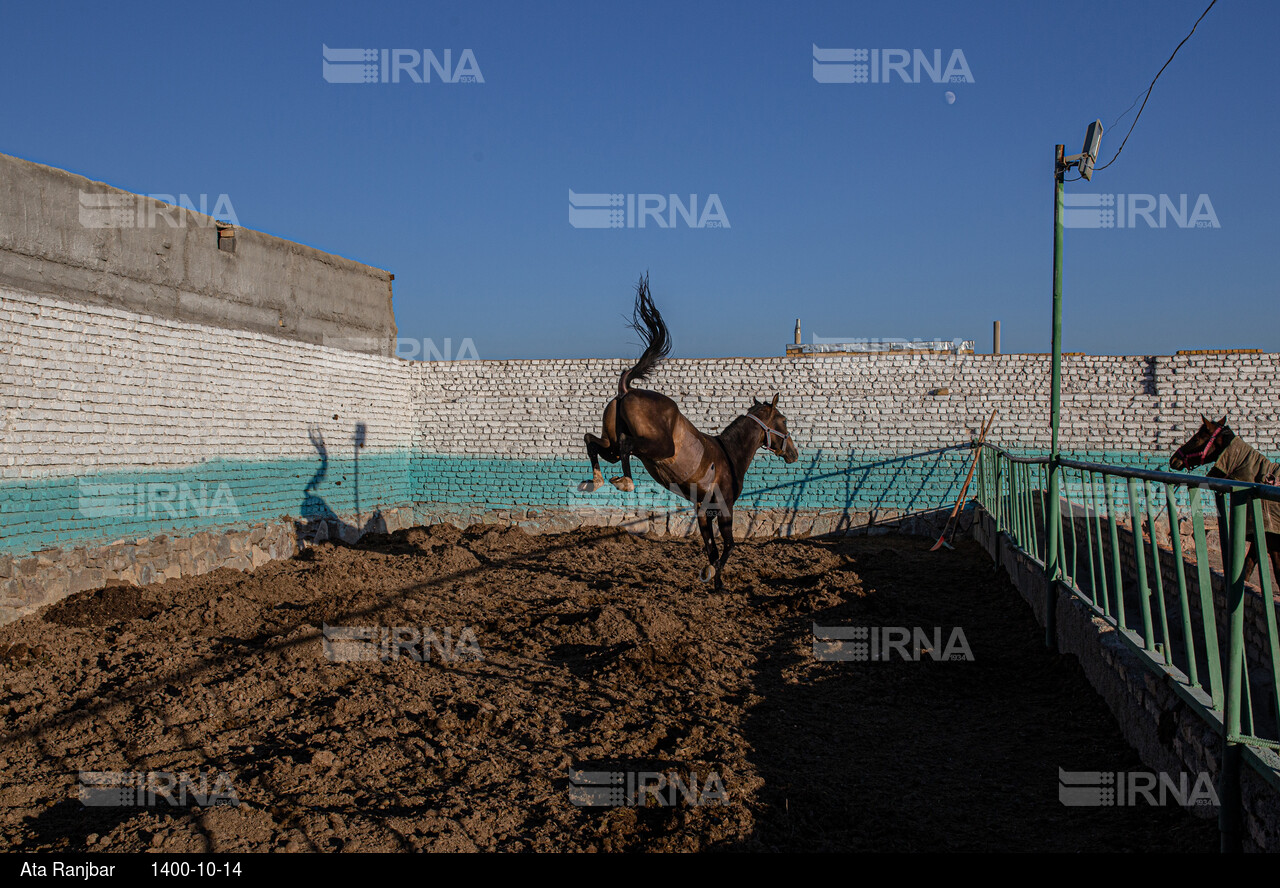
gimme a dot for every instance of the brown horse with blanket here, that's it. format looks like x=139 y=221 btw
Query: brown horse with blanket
x=707 y=470
x=1232 y=458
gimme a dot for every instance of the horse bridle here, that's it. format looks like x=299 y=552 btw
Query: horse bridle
x=1204 y=454
x=768 y=436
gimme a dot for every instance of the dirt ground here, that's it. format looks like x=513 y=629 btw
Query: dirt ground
x=580 y=648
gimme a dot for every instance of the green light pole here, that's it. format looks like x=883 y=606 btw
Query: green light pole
x=1053 y=532
x=1052 y=565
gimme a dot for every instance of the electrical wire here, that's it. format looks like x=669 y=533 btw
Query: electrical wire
x=1152 y=86
x=1126 y=111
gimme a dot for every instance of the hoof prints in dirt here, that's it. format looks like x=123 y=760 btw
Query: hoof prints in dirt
x=596 y=646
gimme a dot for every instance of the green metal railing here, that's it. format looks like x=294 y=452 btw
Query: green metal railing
x=1161 y=600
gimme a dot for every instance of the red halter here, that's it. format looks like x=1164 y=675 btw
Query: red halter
x=1203 y=454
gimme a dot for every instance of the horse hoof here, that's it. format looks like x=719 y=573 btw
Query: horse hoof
x=590 y=486
x=626 y=485
x=708 y=573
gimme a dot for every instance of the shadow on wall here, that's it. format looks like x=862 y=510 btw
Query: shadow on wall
x=924 y=481
x=914 y=492
x=319 y=522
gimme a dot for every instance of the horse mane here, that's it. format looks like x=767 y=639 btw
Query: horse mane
x=736 y=425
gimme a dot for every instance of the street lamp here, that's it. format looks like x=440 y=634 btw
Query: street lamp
x=1084 y=161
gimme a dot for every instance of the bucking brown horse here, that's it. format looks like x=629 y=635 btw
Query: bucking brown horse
x=707 y=470
x=1232 y=458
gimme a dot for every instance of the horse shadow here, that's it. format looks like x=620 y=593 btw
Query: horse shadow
x=317 y=521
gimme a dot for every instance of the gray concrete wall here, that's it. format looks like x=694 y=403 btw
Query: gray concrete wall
x=164 y=261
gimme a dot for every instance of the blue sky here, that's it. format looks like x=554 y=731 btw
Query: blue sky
x=876 y=210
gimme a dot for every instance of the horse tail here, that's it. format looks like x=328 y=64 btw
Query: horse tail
x=646 y=321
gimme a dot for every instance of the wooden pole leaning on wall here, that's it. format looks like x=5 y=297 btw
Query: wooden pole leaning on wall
x=977 y=452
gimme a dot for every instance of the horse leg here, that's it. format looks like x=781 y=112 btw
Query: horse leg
x=1251 y=561
x=1224 y=543
x=1273 y=550
x=596 y=448
x=709 y=546
x=724 y=521
x=651 y=448
x=1273 y=559
x=605 y=445
x=623 y=482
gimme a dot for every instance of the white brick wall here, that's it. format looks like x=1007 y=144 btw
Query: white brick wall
x=843 y=403
x=92 y=388
x=88 y=387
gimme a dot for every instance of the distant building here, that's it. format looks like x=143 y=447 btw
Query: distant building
x=824 y=346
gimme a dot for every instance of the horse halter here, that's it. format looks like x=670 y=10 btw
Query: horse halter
x=768 y=435
x=1203 y=454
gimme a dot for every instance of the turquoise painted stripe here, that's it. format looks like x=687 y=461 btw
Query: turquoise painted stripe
x=222 y=494
x=101 y=507
x=822 y=480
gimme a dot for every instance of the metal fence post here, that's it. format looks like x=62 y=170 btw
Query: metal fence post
x=1229 y=819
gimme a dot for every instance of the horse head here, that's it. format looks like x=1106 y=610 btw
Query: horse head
x=1204 y=446
x=777 y=440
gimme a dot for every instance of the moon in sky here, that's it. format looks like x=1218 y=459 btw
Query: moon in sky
x=951 y=97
